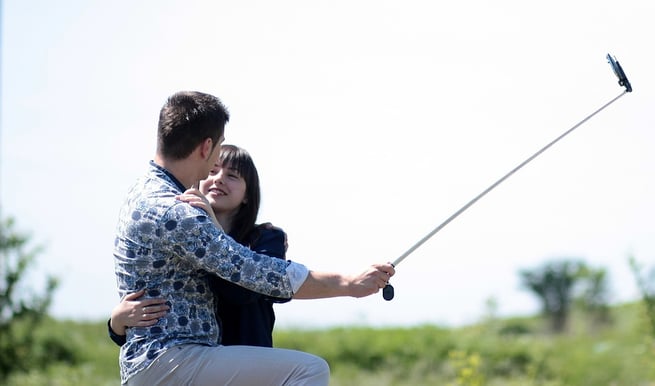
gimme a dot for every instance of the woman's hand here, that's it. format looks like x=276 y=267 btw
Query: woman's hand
x=131 y=312
x=195 y=198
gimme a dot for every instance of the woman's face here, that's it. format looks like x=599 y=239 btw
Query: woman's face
x=224 y=188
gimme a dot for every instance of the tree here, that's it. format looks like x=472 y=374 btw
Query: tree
x=553 y=284
x=594 y=296
x=20 y=309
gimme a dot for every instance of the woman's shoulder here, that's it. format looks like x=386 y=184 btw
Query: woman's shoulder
x=270 y=230
x=269 y=240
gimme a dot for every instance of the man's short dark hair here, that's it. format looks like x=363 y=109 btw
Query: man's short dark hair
x=186 y=120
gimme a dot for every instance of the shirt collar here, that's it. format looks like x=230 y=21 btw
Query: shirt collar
x=170 y=175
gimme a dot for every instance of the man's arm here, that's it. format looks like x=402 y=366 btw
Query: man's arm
x=282 y=279
x=326 y=285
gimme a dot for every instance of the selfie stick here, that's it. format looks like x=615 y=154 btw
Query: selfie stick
x=388 y=291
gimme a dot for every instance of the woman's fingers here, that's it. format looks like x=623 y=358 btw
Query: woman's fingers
x=155 y=309
x=134 y=295
x=152 y=311
x=193 y=200
x=148 y=319
x=153 y=302
x=147 y=323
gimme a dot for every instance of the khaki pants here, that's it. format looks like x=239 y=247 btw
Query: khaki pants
x=199 y=365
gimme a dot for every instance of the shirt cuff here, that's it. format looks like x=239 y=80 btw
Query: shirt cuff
x=118 y=339
x=297 y=274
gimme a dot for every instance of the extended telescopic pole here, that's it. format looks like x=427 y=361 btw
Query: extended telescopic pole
x=388 y=291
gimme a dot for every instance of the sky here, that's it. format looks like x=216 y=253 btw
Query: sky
x=371 y=122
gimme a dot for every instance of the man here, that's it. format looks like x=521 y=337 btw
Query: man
x=163 y=244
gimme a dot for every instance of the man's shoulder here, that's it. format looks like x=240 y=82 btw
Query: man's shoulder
x=155 y=199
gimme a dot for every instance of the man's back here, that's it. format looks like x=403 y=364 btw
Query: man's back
x=152 y=226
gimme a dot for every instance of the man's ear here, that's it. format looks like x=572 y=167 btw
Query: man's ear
x=206 y=148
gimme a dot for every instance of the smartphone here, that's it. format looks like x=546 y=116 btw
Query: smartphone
x=623 y=80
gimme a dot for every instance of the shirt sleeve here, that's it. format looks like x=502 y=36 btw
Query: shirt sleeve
x=266 y=240
x=190 y=234
x=271 y=242
x=297 y=275
x=118 y=339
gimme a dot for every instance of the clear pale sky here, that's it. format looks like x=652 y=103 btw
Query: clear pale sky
x=371 y=122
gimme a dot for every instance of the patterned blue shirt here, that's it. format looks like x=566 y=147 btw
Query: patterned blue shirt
x=164 y=245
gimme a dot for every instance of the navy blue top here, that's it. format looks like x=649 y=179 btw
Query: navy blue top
x=247 y=317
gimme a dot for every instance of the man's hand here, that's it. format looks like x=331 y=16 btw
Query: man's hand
x=326 y=285
x=371 y=280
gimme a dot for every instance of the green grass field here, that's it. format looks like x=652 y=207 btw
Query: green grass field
x=509 y=352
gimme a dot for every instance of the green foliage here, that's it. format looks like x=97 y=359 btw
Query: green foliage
x=467 y=369
x=421 y=349
x=21 y=311
x=95 y=357
x=528 y=355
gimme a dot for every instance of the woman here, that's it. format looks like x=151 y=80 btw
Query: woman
x=246 y=317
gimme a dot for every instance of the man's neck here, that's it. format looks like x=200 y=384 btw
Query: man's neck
x=181 y=169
